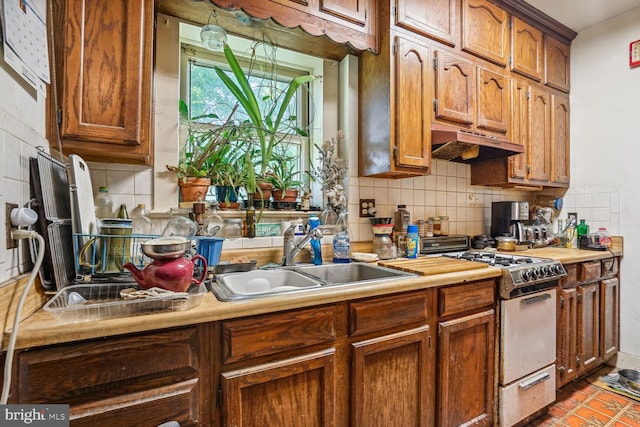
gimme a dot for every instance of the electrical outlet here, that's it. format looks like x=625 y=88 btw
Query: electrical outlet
x=11 y=244
x=367 y=208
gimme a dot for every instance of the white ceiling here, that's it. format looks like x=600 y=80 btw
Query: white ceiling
x=582 y=14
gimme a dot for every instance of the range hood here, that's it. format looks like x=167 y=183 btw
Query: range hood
x=465 y=146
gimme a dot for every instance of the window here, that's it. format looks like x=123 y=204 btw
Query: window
x=207 y=96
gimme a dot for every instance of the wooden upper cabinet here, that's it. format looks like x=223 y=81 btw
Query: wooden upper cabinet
x=343 y=21
x=485 y=31
x=493 y=101
x=539 y=135
x=519 y=127
x=436 y=19
x=556 y=64
x=413 y=98
x=455 y=88
x=560 y=139
x=106 y=79
x=526 y=49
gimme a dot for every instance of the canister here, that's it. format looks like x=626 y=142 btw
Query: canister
x=412 y=241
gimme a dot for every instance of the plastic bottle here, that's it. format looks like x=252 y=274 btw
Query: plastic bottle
x=342 y=241
x=104 y=204
x=401 y=219
x=316 y=245
x=412 y=241
x=141 y=222
x=603 y=237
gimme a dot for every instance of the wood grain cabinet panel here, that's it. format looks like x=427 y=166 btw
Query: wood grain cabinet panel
x=609 y=326
x=560 y=139
x=588 y=326
x=466 y=354
x=566 y=336
x=380 y=314
x=155 y=377
x=526 y=49
x=396 y=99
x=391 y=385
x=455 y=88
x=293 y=392
x=459 y=299
x=436 y=19
x=104 y=73
x=519 y=128
x=485 y=31
x=351 y=10
x=493 y=110
x=539 y=167
x=556 y=64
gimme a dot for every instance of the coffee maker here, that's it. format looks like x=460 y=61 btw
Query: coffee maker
x=509 y=218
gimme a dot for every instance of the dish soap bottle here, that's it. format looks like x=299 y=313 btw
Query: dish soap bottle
x=316 y=245
x=342 y=241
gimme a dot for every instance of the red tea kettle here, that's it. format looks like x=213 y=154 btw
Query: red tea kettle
x=171 y=274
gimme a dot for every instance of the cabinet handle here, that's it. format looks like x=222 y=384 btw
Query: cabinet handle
x=525 y=385
x=536 y=299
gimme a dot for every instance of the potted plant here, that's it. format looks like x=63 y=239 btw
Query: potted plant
x=267 y=130
x=205 y=149
x=284 y=178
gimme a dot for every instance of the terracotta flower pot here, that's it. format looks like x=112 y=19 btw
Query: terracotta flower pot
x=266 y=188
x=288 y=196
x=193 y=189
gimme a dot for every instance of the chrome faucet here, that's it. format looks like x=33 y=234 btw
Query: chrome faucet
x=290 y=249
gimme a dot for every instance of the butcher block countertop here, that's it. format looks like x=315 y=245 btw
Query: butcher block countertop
x=42 y=328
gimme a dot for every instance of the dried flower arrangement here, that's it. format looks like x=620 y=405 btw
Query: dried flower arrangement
x=331 y=172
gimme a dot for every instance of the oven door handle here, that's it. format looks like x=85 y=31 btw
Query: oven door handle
x=525 y=385
x=536 y=299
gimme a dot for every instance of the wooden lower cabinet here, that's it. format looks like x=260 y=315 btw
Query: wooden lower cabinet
x=588 y=319
x=298 y=391
x=466 y=352
x=137 y=380
x=390 y=381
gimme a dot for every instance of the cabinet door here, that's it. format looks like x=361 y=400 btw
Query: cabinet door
x=493 y=101
x=485 y=31
x=350 y=10
x=436 y=19
x=106 y=97
x=539 y=135
x=293 y=392
x=610 y=319
x=391 y=381
x=526 y=49
x=412 y=101
x=567 y=344
x=455 y=88
x=519 y=127
x=556 y=64
x=560 y=139
x=466 y=370
x=589 y=326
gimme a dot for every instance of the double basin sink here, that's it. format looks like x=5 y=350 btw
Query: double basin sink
x=260 y=283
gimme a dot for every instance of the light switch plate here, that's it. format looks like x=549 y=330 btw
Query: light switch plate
x=367 y=208
x=634 y=53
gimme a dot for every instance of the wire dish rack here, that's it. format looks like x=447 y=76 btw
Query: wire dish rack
x=84 y=303
x=103 y=255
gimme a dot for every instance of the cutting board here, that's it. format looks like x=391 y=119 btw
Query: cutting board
x=432 y=265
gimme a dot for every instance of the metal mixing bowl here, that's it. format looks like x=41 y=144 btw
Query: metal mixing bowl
x=166 y=247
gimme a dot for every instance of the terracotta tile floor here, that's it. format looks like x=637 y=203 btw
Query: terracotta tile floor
x=581 y=404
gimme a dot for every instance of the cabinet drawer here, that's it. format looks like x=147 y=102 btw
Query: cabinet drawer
x=589 y=271
x=389 y=312
x=274 y=333
x=462 y=298
x=609 y=267
x=109 y=367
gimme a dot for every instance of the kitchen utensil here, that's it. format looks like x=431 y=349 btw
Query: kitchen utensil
x=172 y=274
x=168 y=247
x=210 y=248
x=629 y=379
x=480 y=241
x=432 y=265
x=381 y=220
x=82 y=206
x=107 y=252
x=180 y=226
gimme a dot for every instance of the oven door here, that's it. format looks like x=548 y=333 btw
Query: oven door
x=528 y=334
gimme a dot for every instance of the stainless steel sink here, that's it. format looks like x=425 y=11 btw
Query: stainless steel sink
x=257 y=283
x=260 y=283
x=341 y=274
